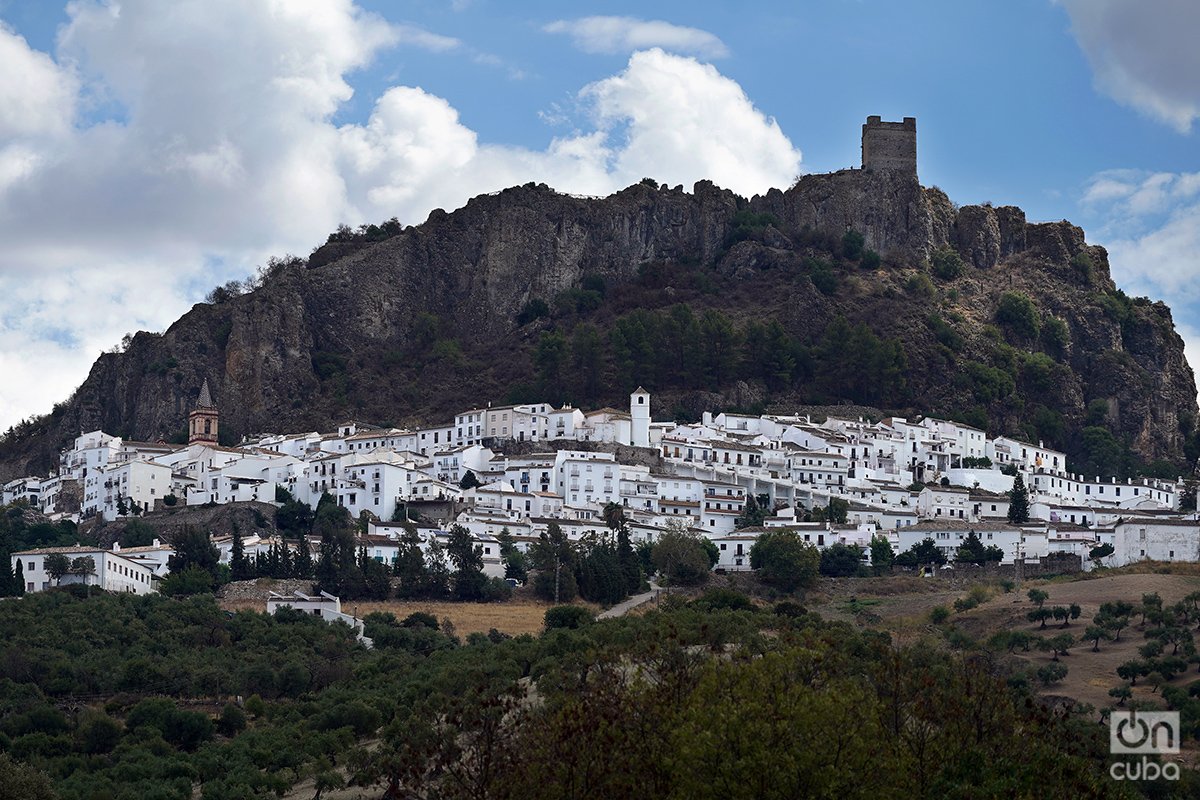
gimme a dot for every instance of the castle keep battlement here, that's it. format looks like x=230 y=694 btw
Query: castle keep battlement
x=890 y=145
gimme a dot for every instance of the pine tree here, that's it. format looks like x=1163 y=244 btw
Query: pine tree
x=1018 y=502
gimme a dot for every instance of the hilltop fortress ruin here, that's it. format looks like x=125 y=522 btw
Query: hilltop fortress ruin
x=890 y=145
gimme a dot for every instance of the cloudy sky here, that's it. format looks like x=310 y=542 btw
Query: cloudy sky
x=150 y=150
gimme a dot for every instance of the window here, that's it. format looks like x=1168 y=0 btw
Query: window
x=31 y=569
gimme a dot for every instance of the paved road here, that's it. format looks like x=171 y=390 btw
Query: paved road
x=621 y=608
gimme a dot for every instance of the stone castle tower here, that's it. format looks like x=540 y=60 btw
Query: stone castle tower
x=202 y=421
x=890 y=146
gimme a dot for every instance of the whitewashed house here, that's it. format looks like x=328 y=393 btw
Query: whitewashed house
x=114 y=572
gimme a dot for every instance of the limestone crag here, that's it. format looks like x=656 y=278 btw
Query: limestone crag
x=361 y=327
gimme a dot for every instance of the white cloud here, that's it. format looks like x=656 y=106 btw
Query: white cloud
x=1143 y=54
x=1150 y=223
x=434 y=42
x=36 y=96
x=626 y=34
x=170 y=147
x=664 y=116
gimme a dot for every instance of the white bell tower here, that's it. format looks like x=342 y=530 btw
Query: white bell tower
x=639 y=414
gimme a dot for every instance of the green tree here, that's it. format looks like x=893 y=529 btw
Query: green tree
x=516 y=563
x=587 y=363
x=469 y=481
x=239 y=565
x=554 y=558
x=137 y=534
x=550 y=366
x=1038 y=597
x=840 y=560
x=1121 y=693
x=410 y=564
x=1095 y=633
x=752 y=514
x=1018 y=502
x=83 y=567
x=23 y=782
x=437 y=571
x=467 y=558
x=922 y=553
x=194 y=548
x=971 y=551
x=680 y=556
x=57 y=565
x=1040 y=614
x=1051 y=673
x=882 y=554
x=785 y=561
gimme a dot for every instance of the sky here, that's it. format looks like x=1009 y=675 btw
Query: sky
x=150 y=151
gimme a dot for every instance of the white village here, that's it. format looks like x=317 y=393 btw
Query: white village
x=516 y=469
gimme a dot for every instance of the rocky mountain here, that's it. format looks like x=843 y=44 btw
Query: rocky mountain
x=857 y=286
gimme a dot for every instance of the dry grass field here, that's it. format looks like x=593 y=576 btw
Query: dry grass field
x=514 y=617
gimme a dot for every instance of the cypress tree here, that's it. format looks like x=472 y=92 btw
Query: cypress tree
x=303 y=561
x=8 y=584
x=239 y=567
x=19 y=579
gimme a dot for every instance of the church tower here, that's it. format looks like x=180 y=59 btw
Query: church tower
x=639 y=415
x=202 y=421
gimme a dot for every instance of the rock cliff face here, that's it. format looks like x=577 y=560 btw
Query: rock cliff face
x=416 y=325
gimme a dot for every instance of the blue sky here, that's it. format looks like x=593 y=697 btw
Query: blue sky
x=150 y=150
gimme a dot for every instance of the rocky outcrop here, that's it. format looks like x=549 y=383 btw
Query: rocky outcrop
x=423 y=322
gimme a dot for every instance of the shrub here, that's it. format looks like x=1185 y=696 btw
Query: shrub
x=852 y=244
x=870 y=260
x=355 y=715
x=420 y=619
x=724 y=600
x=1016 y=312
x=823 y=277
x=946 y=264
x=232 y=721
x=1051 y=673
x=939 y=614
x=919 y=285
x=534 y=309
x=840 y=560
x=569 y=617
x=1082 y=265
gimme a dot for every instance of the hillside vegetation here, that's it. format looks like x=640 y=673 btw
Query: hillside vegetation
x=135 y=697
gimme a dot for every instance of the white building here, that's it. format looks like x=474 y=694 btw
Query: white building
x=639 y=414
x=114 y=571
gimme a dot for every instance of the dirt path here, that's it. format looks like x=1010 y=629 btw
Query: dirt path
x=622 y=608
